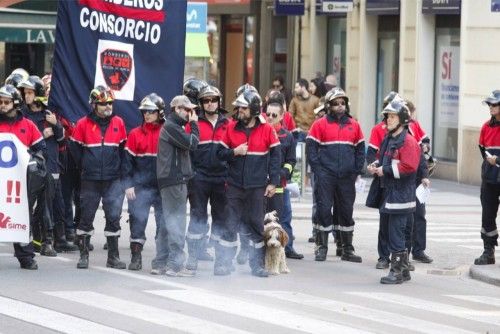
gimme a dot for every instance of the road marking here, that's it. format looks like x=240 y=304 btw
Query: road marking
x=490 y=301
x=51 y=319
x=173 y=320
x=451 y=228
x=6 y=255
x=457 y=240
x=254 y=311
x=362 y=312
x=488 y=317
x=453 y=234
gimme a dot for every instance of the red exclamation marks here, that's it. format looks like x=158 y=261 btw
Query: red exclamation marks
x=18 y=192
x=9 y=191
x=10 y=184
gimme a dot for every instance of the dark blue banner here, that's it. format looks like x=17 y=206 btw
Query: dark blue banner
x=289 y=7
x=444 y=7
x=133 y=47
x=495 y=5
x=382 y=7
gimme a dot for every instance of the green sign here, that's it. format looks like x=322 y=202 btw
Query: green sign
x=16 y=35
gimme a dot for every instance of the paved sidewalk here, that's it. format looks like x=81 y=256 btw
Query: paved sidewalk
x=451 y=204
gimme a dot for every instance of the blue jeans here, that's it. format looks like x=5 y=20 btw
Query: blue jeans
x=286 y=219
x=138 y=210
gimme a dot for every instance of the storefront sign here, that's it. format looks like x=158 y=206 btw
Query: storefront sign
x=326 y=7
x=289 y=7
x=382 y=7
x=196 y=17
x=448 y=86
x=495 y=5
x=445 y=7
x=17 y=35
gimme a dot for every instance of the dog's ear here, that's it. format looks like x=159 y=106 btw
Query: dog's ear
x=283 y=237
x=271 y=217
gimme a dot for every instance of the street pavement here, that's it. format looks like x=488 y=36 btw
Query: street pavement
x=316 y=297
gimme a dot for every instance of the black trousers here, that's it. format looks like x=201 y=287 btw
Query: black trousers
x=490 y=194
x=138 y=210
x=112 y=195
x=200 y=193
x=70 y=188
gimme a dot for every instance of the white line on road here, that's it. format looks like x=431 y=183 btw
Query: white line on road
x=387 y=318
x=447 y=228
x=490 y=301
x=452 y=234
x=51 y=319
x=488 y=317
x=457 y=240
x=294 y=321
x=173 y=320
x=473 y=247
x=6 y=255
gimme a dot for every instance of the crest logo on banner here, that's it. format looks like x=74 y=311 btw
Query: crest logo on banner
x=14 y=208
x=133 y=47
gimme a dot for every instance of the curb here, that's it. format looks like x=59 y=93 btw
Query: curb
x=485 y=275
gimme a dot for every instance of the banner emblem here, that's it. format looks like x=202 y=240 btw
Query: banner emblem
x=116 y=67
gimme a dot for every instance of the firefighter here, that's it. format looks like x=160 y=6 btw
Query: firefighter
x=489 y=146
x=140 y=182
x=97 y=145
x=339 y=139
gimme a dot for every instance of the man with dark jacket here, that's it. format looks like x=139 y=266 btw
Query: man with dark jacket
x=397 y=168
x=251 y=147
x=336 y=152
x=174 y=171
x=97 y=145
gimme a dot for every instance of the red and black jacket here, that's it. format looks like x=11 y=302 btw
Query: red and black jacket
x=207 y=166
x=261 y=165
x=25 y=130
x=97 y=147
x=489 y=141
x=141 y=152
x=400 y=159
x=288 y=153
x=336 y=147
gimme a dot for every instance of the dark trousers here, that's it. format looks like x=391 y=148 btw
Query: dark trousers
x=419 y=234
x=490 y=194
x=70 y=188
x=286 y=219
x=24 y=252
x=138 y=210
x=202 y=192
x=112 y=195
x=41 y=221
x=343 y=190
x=55 y=203
x=274 y=203
x=385 y=246
x=245 y=206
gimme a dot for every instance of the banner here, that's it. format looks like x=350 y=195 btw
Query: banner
x=14 y=208
x=289 y=7
x=448 y=86
x=133 y=47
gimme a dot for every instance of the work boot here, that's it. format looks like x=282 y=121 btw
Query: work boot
x=70 y=235
x=395 y=273
x=136 y=258
x=422 y=257
x=203 y=254
x=223 y=265
x=488 y=256
x=382 y=263
x=338 y=243
x=348 y=249
x=83 y=244
x=242 y=256
x=105 y=246
x=321 y=246
x=29 y=264
x=312 y=238
x=256 y=261
x=193 y=251
x=113 y=254
x=47 y=250
x=406 y=267
x=60 y=243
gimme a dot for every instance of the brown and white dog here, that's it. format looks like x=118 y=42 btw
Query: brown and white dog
x=275 y=240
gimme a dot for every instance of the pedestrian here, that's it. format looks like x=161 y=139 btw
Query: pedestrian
x=396 y=169
x=302 y=108
x=209 y=182
x=251 y=147
x=336 y=152
x=489 y=146
x=97 y=145
x=174 y=170
x=279 y=85
x=140 y=182
x=317 y=87
x=13 y=121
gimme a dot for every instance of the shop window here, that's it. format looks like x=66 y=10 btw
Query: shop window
x=446 y=88
x=337 y=49
x=388 y=59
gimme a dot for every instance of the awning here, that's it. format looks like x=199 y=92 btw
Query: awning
x=197 y=45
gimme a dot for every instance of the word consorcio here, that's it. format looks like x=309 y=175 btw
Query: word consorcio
x=116 y=25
